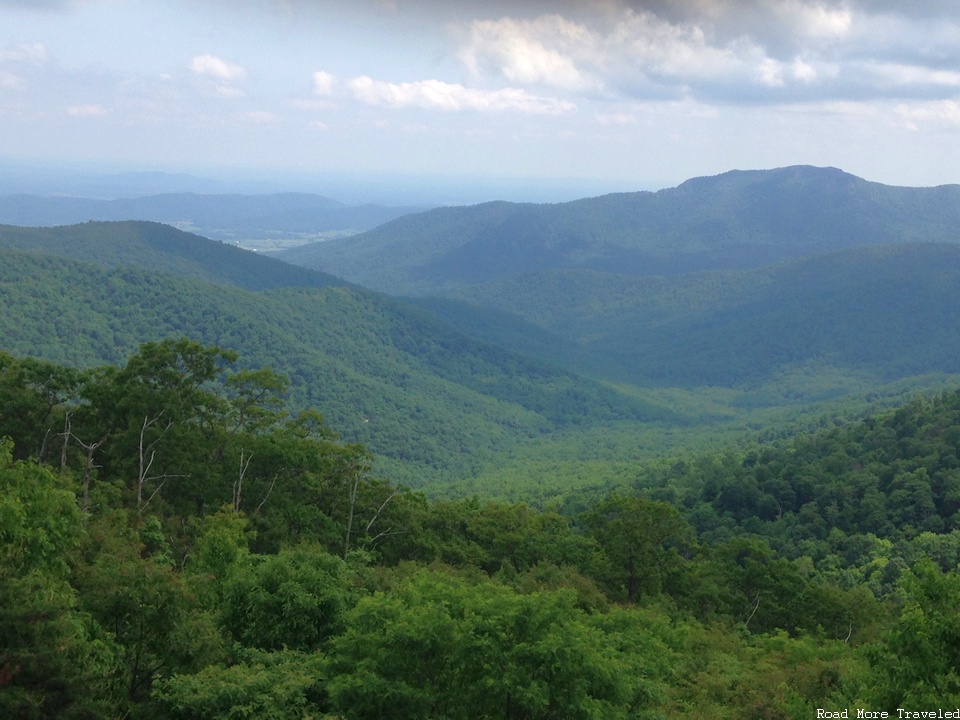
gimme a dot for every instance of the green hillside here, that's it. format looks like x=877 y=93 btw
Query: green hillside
x=741 y=219
x=162 y=248
x=883 y=311
x=384 y=373
x=683 y=361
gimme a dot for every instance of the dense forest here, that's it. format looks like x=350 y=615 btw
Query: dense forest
x=686 y=454
x=522 y=388
x=176 y=544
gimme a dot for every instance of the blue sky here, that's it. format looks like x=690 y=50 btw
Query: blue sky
x=620 y=94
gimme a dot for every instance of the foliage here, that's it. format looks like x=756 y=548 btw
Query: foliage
x=210 y=555
x=283 y=685
x=439 y=647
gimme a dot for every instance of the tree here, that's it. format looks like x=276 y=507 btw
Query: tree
x=438 y=646
x=54 y=659
x=285 y=685
x=642 y=540
x=920 y=663
x=294 y=600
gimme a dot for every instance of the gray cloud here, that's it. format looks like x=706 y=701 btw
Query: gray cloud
x=726 y=51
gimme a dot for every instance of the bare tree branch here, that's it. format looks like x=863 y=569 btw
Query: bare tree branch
x=380 y=510
x=270 y=490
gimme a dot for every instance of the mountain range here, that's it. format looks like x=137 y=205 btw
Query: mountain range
x=738 y=220
x=221 y=217
x=604 y=330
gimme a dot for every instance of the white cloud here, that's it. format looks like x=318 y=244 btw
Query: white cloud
x=721 y=51
x=616 y=118
x=24 y=52
x=260 y=117
x=9 y=81
x=229 y=91
x=817 y=19
x=540 y=51
x=323 y=83
x=19 y=55
x=638 y=52
x=439 y=95
x=87 y=110
x=804 y=71
x=896 y=74
x=214 y=67
x=770 y=73
x=943 y=112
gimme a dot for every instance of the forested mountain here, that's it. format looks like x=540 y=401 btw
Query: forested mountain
x=222 y=217
x=384 y=372
x=155 y=246
x=880 y=311
x=689 y=356
x=206 y=454
x=741 y=219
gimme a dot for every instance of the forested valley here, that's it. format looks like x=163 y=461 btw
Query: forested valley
x=687 y=454
x=177 y=545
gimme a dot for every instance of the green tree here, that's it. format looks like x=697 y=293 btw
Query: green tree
x=438 y=646
x=54 y=659
x=295 y=599
x=285 y=685
x=919 y=666
x=642 y=540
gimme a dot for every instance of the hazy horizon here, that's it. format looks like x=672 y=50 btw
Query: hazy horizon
x=112 y=182
x=574 y=97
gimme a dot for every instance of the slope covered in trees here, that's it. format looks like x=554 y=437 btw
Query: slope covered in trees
x=153 y=246
x=696 y=360
x=386 y=374
x=880 y=311
x=176 y=545
x=741 y=219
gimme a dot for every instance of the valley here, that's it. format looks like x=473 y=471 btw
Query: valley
x=691 y=453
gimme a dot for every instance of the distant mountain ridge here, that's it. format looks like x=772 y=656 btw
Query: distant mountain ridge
x=737 y=220
x=220 y=217
x=887 y=311
x=554 y=356
x=162 y=248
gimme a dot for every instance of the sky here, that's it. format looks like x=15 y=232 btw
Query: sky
x=534 y=96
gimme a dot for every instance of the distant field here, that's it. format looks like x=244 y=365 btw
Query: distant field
x=274 y=242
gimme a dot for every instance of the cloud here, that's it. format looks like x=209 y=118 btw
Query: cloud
x=911 y=76
x=229 y=91
x=541 y=51
x=91 y=110
x=213 y=67
x=323 y=83
x=724 y=51
x=942 y=113
x=9 y=81
x=616 y=118
x=23 y=53
x=640 y=53
x=439 y=95
x=260 y=117
x=38 y=4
